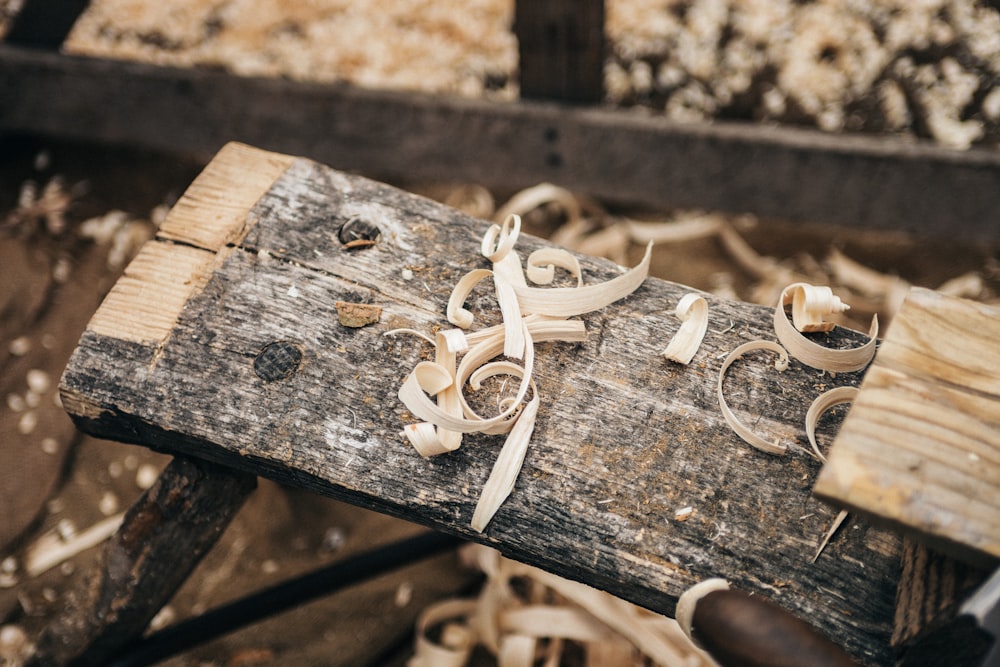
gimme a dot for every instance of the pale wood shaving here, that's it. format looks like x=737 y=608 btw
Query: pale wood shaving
x=692 y=311
x=837 y=523
x=51 y=549
x=822 y=403
x=689 y=600
x=734 y=423
x=809 y=352
x=528 y=313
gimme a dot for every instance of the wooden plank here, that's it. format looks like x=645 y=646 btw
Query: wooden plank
x=920 y=448
x=257 y=373
x=44 y=24
x=163 y=537
x=618 y=156
x=560 y=46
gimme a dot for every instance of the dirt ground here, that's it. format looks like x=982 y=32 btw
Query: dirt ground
x=53 y=274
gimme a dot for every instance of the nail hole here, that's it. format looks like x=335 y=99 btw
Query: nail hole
x=357 y=233
x=553 y=160
x=277 y=361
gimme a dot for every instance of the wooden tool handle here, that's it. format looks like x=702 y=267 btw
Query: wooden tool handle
x=742 y=630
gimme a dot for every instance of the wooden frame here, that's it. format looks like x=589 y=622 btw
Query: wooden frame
x=616 y=155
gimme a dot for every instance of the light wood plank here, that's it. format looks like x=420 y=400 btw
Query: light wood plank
x=920 y=448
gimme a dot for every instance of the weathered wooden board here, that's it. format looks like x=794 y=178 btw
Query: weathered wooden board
x=248 y=268
x=614 y=155
x=920 y=448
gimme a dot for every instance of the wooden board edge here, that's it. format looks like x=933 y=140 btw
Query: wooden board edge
x=213 y=211
x=211 y=215
x=144 y=304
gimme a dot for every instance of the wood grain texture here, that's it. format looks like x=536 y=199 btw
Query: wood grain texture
x=614 y=155
x=920 y=448
x=623 y=441
x=146 y=302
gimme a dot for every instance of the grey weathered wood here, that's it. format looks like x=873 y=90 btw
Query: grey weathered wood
x=163 y=537
x=618 y=156
x=623 y=441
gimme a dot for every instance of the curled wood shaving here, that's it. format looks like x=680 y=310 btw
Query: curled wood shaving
x=532 y=622
x=528 y=314
x=673 y=232
x=540 y=195
x=692 y=311
x=821 y=404
x=542 y=263
x=811 y=304
x=570 y=301
x=804 y=297
x=734 y=423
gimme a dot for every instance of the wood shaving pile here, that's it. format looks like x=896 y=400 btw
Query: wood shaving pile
x=927 y=69
x=525 y=616
x=582 y=225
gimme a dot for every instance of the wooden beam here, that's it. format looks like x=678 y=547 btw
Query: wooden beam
x=254 y=371
x=44 y=24
x=560 y=49
x=618 y=156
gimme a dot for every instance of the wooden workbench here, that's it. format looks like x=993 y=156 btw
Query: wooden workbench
x=222 y=342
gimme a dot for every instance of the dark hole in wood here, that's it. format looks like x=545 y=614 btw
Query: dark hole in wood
x=358 y=233
x=551 y=134
x=277 y=361
x=554 y=160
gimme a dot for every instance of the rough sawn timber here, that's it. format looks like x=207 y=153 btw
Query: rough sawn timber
x=222 y=341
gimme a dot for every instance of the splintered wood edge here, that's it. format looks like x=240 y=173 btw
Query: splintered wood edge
x=144 y=304
x=920 y=447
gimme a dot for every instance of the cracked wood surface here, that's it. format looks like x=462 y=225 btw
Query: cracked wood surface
x=252 y=369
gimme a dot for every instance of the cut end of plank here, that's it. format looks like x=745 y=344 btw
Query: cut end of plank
x=213 y=213
x=920 y=448
x=145 y=303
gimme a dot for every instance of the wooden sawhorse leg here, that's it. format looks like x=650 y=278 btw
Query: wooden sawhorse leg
x=163 y=537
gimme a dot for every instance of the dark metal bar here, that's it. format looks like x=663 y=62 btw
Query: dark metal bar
x=271 y=601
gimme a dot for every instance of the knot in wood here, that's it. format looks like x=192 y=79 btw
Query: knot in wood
x=357 y=233
x=277 y=361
